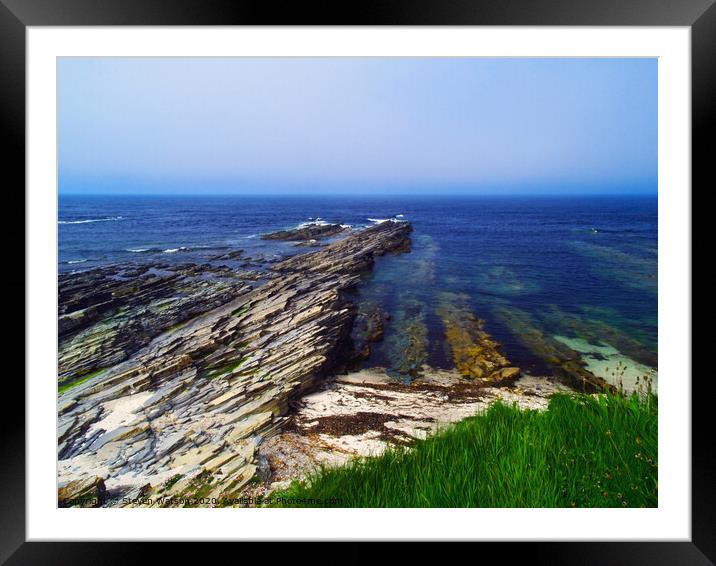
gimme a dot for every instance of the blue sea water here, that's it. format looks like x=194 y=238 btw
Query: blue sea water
x=571 y=267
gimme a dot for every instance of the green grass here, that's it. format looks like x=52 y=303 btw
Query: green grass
x=77 y=380
x=582 y=452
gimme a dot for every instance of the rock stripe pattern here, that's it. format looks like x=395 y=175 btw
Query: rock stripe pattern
x=182 y=416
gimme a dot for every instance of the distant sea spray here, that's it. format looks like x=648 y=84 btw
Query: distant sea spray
x=91 y=220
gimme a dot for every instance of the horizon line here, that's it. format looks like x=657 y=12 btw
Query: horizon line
x=365 y=194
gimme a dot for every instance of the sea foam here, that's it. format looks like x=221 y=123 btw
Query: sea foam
x=90 y=220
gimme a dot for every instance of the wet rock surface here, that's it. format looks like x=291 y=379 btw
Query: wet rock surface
x=306 y=233
x=474 y=353
x=179 y=412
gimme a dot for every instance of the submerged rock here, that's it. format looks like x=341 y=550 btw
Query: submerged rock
x=595 y=331
x=407 y=345
x=368 y=329
x=474 y=352
x=561 y=359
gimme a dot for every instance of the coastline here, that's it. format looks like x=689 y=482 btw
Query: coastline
x=235 y=366
x=219 y=381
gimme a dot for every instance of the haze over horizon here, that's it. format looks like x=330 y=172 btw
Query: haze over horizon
x=357 y=125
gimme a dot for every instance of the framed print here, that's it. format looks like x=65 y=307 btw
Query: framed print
x=424 y=274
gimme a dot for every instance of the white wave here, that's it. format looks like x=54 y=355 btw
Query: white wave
x=90 y=220
x=137 y=250
x=346 y=225
x=399 y=216
x=316 y=222
x=382 y=220
x=174 y=250
x=73 y=261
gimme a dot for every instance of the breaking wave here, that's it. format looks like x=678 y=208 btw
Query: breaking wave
x=90 y=220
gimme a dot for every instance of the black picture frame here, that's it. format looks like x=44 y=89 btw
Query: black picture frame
x=17 y=15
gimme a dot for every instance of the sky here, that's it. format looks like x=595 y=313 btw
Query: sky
x=357 y=125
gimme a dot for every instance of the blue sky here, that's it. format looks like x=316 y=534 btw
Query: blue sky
x=357 y=125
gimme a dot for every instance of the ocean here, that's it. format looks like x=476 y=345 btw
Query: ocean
x=579 y=271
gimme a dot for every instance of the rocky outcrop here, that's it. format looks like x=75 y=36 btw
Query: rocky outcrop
x=310 y=244
x=235 y=254
x=107 y=314
x=85 y=492
x=186 y=411
x=306 y=232
x=474 y=352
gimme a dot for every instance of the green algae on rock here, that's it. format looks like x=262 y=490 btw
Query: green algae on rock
x=474 y=353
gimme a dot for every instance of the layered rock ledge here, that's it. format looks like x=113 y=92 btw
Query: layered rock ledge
x=307 y=232
x=174 y=376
